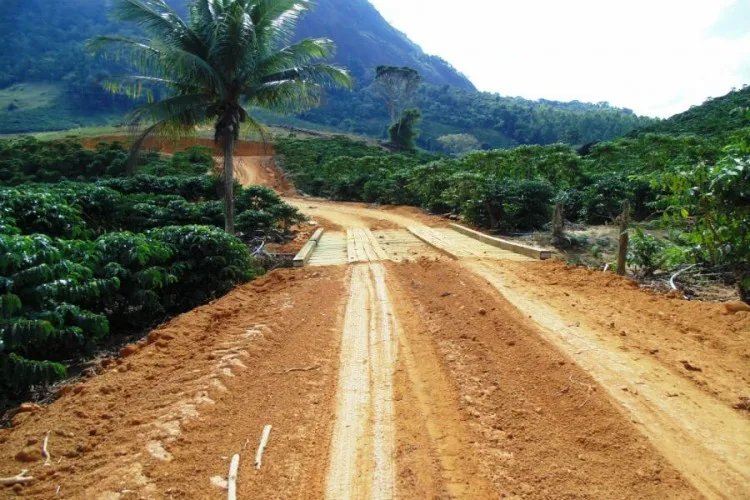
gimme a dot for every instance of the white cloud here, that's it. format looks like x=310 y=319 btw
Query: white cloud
x=657 y=57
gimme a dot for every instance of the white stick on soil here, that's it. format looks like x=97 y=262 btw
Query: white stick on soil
x=45 y=450
x=234 y=467
x=21 y=478
x=263 y=442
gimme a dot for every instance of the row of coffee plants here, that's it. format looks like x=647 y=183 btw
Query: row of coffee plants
x=697 y=186
x=85 y=254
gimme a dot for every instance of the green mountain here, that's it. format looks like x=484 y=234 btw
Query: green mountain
x=365 y=40
x=48 y=82
x=715 y=117
x=495 y=121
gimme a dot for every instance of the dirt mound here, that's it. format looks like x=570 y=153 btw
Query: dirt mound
x=670 y=329
x=253 y=161
x=261 y=171
x=163 y=421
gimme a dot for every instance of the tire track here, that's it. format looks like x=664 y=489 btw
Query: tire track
x=361 y=463
x=702 y=437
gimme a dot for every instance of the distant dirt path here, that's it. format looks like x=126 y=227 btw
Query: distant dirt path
x=261 y=171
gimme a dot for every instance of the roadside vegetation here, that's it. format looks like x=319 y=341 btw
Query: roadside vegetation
x=694 y=190
x=88 y=256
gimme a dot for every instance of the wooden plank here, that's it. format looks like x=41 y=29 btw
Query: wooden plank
x=303 y=257
x=433 y=239
x=352 y=251
x=534 y=253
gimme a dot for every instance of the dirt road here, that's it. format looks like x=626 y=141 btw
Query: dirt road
x=409 y=361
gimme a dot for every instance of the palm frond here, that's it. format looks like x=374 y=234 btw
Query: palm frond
x=189 y=110
x=156 y=18
x=168 y=62
x=302 y=52
x=234 y=37
x=276 y=20
x=322 y=74
x=250 y=125
x=287 y=96
x=102 y=43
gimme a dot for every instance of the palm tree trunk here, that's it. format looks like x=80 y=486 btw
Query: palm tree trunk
x=228 y=143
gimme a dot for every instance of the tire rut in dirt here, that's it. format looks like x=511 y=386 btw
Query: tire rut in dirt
x=704 y=438
x=535 y=424
x=361 y=463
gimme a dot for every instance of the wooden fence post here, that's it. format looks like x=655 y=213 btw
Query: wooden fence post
x=622 y=252
x=558 y=224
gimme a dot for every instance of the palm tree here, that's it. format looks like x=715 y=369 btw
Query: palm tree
x=229 y=55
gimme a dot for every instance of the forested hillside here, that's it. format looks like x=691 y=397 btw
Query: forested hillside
x=716 y=117
x=49 y=82
x=495 y=121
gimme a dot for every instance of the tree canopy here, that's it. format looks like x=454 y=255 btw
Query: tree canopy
x=398 y=87
x=228 y=55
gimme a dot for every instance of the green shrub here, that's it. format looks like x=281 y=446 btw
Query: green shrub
x=251 y=225
x=8 y=225
x=100 y=206
x=142 y=267
x=42 y=321
x=42 y=212
x=711 y=203
x=429 y=182
x=573 y=203
x=207 y=263
x=645 y=252
x=30 y=160
x=603 y=198
x=508 y=205
x=191 y=188
x=194 y=161
x=302 y=159
x=256 y=198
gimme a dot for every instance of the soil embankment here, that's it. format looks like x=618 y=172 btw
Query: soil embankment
x=165 y=420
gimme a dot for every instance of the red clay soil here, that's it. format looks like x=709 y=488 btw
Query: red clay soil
x=260 y=171
x=701 y=341
x=523 y=416
x=163 y=421
x=171 y=146
x=253 y=161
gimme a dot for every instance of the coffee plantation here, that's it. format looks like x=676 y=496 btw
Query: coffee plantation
x=86 y=253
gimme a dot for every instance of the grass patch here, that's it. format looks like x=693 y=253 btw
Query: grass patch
x=27 y=96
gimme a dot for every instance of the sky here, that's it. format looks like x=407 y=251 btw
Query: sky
x=656 y=57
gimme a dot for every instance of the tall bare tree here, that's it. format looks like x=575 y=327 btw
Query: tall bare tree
x=398 y=86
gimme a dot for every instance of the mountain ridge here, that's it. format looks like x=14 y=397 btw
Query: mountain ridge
x=48 y=82
x=368 y=40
